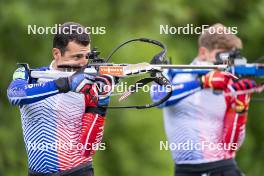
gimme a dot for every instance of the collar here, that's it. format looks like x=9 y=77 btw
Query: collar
x=51 y=65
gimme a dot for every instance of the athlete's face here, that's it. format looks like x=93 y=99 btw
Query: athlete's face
x=208 y=55
x=74 y=55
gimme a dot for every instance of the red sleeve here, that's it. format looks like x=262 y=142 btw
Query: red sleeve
x=92 y=124
x=234 y=124
x=91 y=133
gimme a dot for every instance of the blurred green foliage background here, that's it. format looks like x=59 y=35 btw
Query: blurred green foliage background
x=132 y=136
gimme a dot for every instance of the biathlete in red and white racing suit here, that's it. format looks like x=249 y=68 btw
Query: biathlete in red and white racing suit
x=62 y=120
x=204 y=127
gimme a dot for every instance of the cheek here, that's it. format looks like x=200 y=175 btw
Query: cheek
x=63 y=58
x=207 y=56
x=60 y=61
x=85 y=61
x=81 y=60
x=212 y=56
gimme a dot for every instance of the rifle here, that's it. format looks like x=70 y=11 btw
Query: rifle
x=237 y=65
x=102 y=66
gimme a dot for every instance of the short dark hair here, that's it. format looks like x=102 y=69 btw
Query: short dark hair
x=70 y=31
x=227 y=41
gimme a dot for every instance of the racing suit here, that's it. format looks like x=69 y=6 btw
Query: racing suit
x=201 y=126
x=61 y=130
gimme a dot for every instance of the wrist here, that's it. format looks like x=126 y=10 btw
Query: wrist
x=63 y=85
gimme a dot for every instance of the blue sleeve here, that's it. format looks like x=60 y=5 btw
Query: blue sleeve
x=104 y=101
x=180 y=91
x=21 y=92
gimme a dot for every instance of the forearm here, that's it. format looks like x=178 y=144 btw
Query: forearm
x=180 y=91
x=20 y=92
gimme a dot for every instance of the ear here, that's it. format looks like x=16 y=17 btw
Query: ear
x=56 y=54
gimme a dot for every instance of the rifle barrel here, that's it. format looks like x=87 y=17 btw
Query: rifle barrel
x=221 y=67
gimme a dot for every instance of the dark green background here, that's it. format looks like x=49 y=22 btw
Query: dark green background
x=132 y=136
